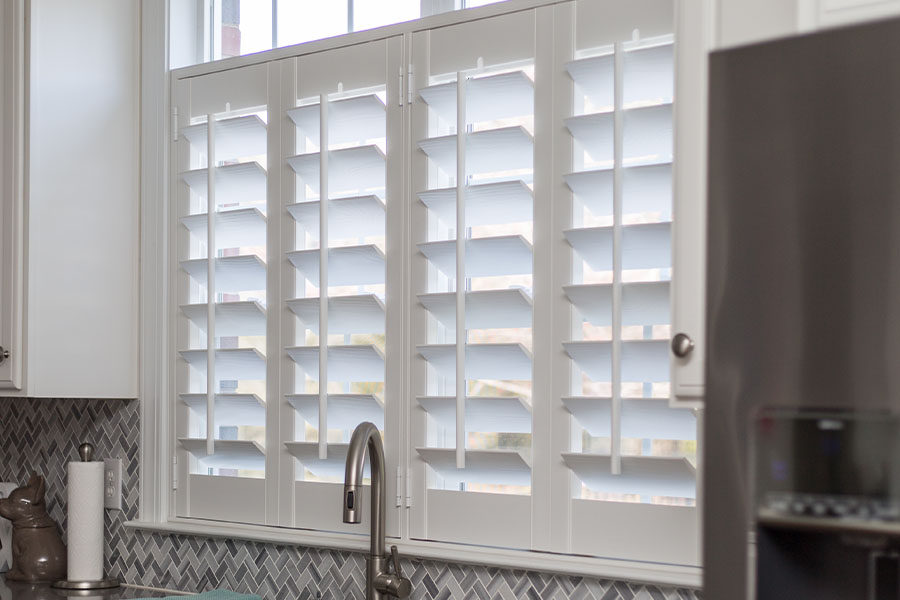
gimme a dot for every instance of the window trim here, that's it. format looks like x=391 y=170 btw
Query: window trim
x=156 y=250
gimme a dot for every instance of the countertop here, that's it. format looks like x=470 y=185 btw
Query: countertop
x=14 y=590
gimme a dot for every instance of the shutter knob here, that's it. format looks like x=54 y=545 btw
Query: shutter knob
x=4 y=354
x=682 y=345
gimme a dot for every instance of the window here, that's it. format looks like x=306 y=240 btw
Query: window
x=207 y=30
x=463 y=235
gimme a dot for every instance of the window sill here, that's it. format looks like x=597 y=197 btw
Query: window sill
x=640 y=572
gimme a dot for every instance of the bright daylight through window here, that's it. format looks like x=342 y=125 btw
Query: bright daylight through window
x=229 y=28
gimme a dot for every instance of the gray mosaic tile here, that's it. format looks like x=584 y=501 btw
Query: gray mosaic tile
x=42 y=435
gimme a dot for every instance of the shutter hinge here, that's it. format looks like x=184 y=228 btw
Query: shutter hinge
x=408 y=488
x=409 y=85
x=174 y=123
x=174 y=472
x=400 y=86
x=399 y=487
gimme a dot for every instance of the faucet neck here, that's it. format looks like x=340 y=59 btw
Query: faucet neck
x=367 y=440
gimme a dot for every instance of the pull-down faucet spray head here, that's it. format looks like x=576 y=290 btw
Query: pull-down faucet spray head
x=352 y=512
x=365 y=438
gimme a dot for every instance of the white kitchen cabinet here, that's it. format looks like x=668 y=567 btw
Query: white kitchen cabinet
x=68 y=305
x=830 y=13
x=740 y=22
x=702 y=27
x=695 y=31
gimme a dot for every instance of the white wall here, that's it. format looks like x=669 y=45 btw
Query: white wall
x=741 y=22
x=83 y=201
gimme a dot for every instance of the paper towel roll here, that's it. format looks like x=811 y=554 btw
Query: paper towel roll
x=85 y=526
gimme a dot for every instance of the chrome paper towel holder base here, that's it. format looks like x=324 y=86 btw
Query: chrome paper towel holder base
x=103 y=584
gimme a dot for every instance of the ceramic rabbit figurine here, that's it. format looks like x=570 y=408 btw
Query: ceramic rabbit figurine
x=38 y=551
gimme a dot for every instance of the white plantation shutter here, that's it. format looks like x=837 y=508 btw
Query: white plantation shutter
x=462 y=235
x=473 y=174
x=342 y=120
x=632 y=452
x=221 y=364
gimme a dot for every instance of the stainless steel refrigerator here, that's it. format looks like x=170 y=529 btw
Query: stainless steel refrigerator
x=803 y=299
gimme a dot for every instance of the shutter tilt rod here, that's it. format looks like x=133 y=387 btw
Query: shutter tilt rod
x=323 y=276
x=211 y=284
x=461 y=284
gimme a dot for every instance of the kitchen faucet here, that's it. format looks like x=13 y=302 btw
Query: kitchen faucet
x=380 y=582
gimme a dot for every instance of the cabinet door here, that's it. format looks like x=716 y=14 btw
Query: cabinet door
x=82 y=200
x=827 y=13
x=11 y=154
x=689 y=199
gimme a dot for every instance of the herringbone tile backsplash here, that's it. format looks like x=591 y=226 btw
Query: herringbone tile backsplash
x=43 y=435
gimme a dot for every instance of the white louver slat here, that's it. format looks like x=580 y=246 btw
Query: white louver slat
x=232 y=410
x=235 y=183
x=332 y=466
x=228 y=454
x=640 y=418
x=231 y=364
x=349 y=120
x=359 y=168
x=484 y=413
x=492 y=467
x=639 y=475
x=485 y=309
x=346 y=314
x=349 y=265
x=643 y=303
x=235 y=136
x=622 y=250
x=357 y=362
x=233 y=319
x=232 y=273
x=362 y=216
x=234 y=228
x=345 y=411
x=483 y=361
x=489 y=98
x=485 y=257
x=486 y=204
x=492 y=150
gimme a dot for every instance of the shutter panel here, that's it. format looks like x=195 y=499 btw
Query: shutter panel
x=472 y=172
x=221 y=207
x=630 y=446
x=338 y=294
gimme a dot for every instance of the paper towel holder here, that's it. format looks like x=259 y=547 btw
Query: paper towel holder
x=86 y=452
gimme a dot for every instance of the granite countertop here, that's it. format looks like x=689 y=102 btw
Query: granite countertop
x=13 y=590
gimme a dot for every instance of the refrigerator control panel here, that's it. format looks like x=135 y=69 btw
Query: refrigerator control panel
x=830 y=507
x=827 y=464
